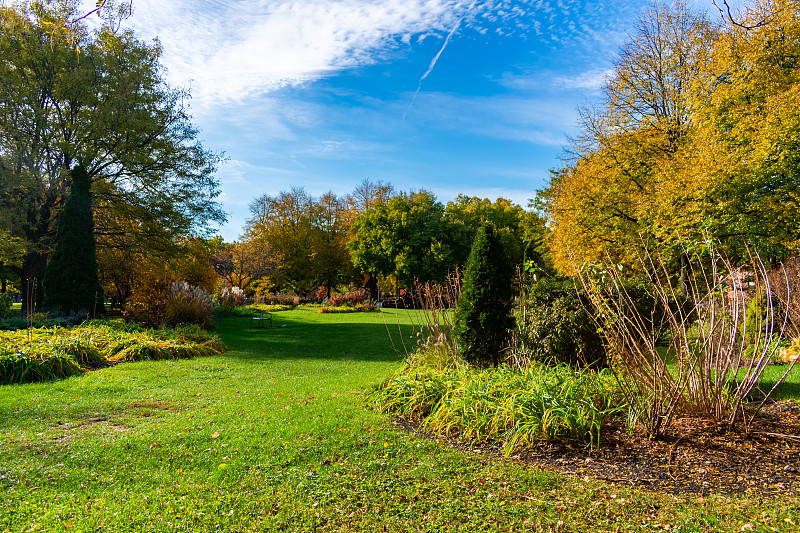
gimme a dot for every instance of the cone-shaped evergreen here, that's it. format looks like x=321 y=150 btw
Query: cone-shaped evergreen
x=483 y=316
x=70 y=282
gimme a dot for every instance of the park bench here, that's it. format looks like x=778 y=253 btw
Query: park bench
x=259 y=318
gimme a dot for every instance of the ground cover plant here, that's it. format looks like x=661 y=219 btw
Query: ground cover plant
x=45 y=354
x=513 y=407
x=269 y=308
x=273 y=436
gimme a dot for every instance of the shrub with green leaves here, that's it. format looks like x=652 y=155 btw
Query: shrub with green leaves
x=5 y=304
x=554 y=326
x=756 y=317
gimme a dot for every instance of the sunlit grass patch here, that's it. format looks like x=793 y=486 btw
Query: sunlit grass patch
x=139 y=448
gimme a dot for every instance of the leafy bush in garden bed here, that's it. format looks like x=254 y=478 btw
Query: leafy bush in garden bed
x=553 y=325
x=42 y=320
x=16 y=367
x=51 y=353
x=513 y=407
x=353 y=302
x=280 y=298
x=352 y=299
x=5 y=304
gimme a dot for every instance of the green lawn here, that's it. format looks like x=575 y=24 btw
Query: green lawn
x=272 y=436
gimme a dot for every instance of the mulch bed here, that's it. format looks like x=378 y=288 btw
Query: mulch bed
x=695 y=457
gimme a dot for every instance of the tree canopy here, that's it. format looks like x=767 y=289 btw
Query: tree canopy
x=71 y=94
x=696 y=138
x=410 y=238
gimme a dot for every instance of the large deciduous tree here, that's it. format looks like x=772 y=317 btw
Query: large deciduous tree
x=697 y=138
x=747 y=140
x=307 y=234
x=367 y=195
x=330 y=218
x=619 y=187
x=409 y=237
x=507 y=218
x=68 y=94
x=242 y=264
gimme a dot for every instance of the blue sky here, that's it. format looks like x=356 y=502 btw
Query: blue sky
x=454 y=96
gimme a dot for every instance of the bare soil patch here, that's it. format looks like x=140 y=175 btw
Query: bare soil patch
x=695 y=457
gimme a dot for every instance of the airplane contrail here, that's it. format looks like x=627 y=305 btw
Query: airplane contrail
x=435 y=59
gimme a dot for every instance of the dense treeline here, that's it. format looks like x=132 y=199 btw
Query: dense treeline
x=696 y=138
x=376 y=233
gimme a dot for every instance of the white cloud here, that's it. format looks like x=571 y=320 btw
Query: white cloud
x=587 y=81
x=235 y=49
x=592 y=80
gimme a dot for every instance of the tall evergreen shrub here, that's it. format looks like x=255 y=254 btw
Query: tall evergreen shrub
x=71 y=283
x=483 y=316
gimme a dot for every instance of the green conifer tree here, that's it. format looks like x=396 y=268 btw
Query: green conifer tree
x=71 y=283
x=483 y=316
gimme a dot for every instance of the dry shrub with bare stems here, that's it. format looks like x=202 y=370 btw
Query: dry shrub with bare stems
x=435 y=344
x=707 y=367
x=785 y=279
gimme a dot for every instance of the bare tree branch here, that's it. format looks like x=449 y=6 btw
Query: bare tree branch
x=728 y=15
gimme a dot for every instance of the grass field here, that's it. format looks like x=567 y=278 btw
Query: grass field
x=272 y=436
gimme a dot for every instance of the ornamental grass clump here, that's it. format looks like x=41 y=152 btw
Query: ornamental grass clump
x=512 y=407
x=187 y=304
x=231 y=302
x=233 y=296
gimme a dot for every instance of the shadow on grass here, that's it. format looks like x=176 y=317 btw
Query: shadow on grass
x=307 y=335
x=786 y=390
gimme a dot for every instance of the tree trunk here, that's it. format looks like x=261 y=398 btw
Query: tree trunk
x=31 y=276
x=371 y=284
x=685 y=268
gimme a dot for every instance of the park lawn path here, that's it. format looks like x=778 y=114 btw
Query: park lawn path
x=273 y=436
